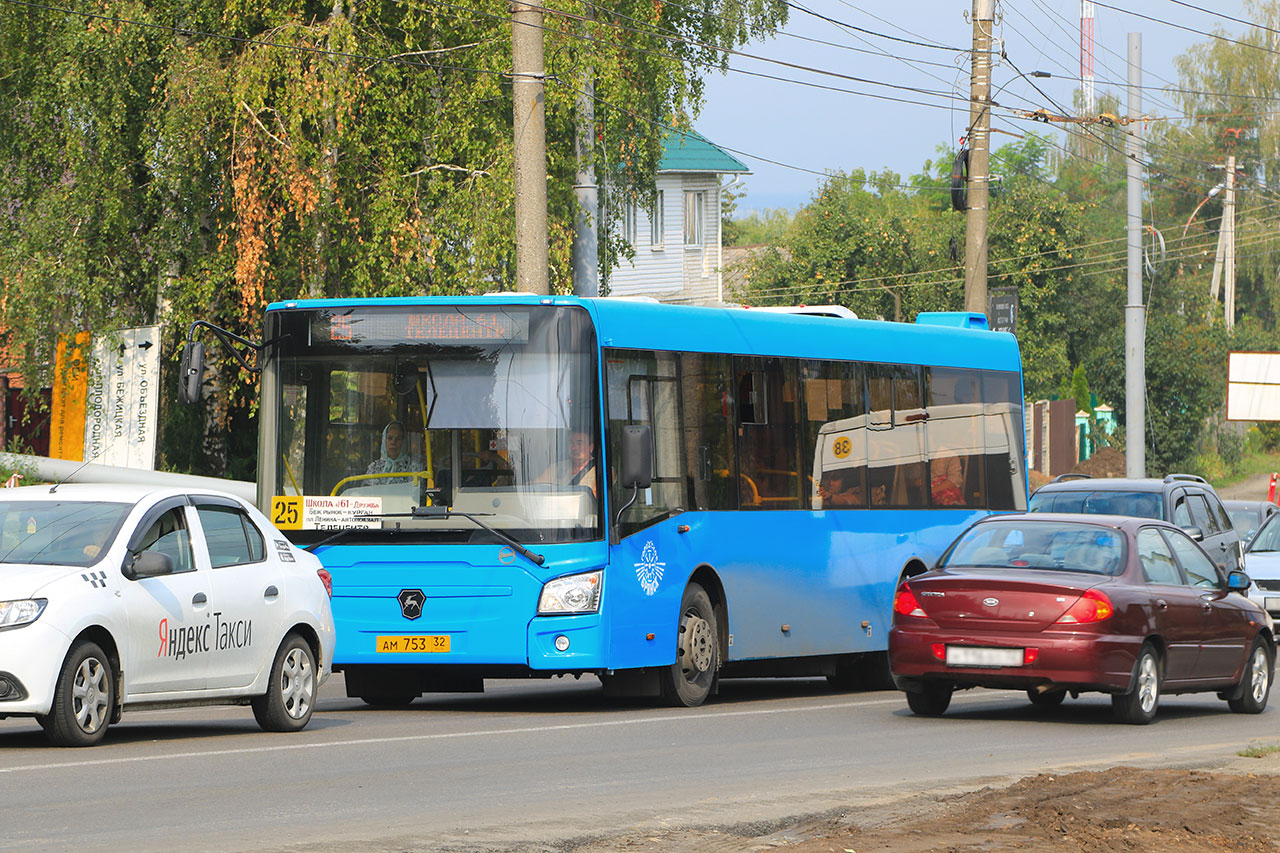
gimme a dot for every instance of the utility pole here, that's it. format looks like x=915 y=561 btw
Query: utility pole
x=586 y=262
x=1135 y=330
x=1229 y=246
x=979 y=138
x=527 y=78
x=1224 y=256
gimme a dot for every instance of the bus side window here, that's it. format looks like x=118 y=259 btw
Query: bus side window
x=895 y=437
x=955 y=433
x=768 y=433
x=643 y=387
x=1004 y=440
x=708 y=399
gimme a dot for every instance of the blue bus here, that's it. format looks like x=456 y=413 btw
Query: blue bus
x=528 y=486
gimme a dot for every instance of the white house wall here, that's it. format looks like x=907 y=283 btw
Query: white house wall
x=673 y=272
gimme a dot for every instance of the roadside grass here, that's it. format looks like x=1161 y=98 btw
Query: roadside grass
x=1259 y=751
x=1250 y=465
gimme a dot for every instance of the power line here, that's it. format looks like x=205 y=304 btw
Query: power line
x=1217 y=36
x=933 y=45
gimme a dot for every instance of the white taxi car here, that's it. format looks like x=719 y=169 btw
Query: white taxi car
x=119 y=597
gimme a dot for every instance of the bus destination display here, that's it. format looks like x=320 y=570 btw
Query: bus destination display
x=422 y=326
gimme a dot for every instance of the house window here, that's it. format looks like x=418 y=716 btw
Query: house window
x=656 y=222
x=693 y=207
x=629 y=222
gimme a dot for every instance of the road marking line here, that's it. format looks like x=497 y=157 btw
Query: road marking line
x=695 y=717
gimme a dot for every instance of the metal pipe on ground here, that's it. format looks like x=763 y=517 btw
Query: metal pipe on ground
x=56 y=470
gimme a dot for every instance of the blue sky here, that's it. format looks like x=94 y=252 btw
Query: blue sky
x=823 y=130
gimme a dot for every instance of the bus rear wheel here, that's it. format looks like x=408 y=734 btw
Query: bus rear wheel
x=690 y=680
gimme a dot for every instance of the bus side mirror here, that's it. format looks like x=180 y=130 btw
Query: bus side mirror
x=637 y=456
x=191 y=373
x=406 y=378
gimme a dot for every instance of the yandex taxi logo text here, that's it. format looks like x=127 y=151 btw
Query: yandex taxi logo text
x=218 y=635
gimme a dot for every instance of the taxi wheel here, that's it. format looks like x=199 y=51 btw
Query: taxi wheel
x=1257 y=681
x=1139 y=704
x=83 y=698
x=690 y=680
x=291 y=689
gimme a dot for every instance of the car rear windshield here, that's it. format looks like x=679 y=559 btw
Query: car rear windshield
x=64 y=533
x=1057 y=546
x=1099 y=502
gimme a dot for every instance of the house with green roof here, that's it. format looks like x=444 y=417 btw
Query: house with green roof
x=677 y=248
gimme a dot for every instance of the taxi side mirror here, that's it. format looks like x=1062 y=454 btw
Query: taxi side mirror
x=148 y=564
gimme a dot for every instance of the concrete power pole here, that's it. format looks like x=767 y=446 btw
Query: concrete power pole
x=1229 y=246
x=1135 y=330
x=530 y=121
x=975 y=218
x=586 y=262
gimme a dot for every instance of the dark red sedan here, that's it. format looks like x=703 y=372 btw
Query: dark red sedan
x=1058 y=604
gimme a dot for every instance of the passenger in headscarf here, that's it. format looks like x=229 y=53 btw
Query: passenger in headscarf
x=394 y=456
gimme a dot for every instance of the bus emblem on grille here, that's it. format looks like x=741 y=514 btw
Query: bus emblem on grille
x=411 y=602
x=649 y=570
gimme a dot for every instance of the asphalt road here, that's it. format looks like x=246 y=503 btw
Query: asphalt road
x=544 y=765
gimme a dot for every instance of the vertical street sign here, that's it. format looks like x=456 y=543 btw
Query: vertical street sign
x=123 y=398
x=1002 y=309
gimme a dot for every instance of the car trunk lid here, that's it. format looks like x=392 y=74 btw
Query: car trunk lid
x=991 y=602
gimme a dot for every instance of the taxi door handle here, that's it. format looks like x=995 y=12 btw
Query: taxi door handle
x=271 y=592
x=200 y=599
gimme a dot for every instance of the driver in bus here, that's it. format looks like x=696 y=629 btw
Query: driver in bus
x=579 y=469
x=394 y=456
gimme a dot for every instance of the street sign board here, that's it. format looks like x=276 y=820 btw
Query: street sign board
x=1002 y=309
x=123 y=397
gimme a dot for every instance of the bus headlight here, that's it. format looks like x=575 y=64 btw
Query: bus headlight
x=572 y=594
x=14 y=614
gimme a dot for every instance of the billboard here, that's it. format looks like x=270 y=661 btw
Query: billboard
x=1253 y=386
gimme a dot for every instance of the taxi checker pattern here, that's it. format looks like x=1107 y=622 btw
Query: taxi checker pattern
x=119 y=597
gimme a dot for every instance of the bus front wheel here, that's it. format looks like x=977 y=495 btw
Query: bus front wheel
x=690 y=680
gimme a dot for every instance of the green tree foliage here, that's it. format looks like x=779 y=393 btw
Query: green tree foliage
x=175 y=161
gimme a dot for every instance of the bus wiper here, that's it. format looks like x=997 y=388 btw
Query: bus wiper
x=348 y=530
x=422 y=512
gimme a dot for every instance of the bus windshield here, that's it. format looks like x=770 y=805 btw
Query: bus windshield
x=486 y=410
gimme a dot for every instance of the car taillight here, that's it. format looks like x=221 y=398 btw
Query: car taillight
x=327 y=580
x=905 y=604
x=1093 y=606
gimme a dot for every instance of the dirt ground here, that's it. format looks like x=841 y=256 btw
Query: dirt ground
x=1235 y=807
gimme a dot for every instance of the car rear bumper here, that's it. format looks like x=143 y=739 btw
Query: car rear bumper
x=1071 y=660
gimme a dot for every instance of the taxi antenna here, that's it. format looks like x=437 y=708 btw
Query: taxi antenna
x=54 y=487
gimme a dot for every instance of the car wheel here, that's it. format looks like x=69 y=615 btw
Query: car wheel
x=291 y=689
x=1138 y=704
x=1256 y=680
x=83 y=698
x=931 y=700
x=689 y=681
x=1052 y=699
